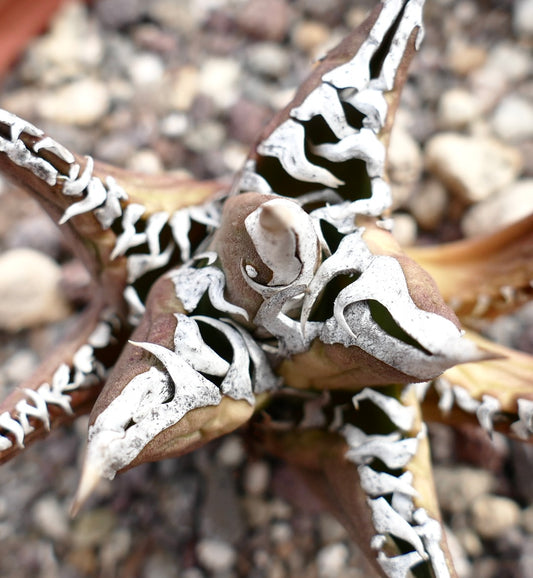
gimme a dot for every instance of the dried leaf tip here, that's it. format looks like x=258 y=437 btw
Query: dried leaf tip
x=89 y=481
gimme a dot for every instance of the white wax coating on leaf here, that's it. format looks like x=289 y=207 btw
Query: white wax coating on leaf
x=380 y=483
x=324 y=101
x=148 y=405
x=287 y=144
x=401 y=416
x=129 y=236
x=388 y=521
x=192 y=284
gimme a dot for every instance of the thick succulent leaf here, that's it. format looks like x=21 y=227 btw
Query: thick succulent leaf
x=168 y=192
x=334 y=132
x=484 y=276
x=65 y=386
x=379 y=484
x=173 y=388
x=497 y=393
x=87 y=198
x=389 y=324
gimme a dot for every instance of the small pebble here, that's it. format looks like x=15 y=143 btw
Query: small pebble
x=265 y=19
x=458 y=487
x=309 y=36
x=511 y=61
x=145 y=161
x=51 y=517
x=404 y=160
x=281 y=532
x=331 y=530
x=29 y=290
x=472 y=167
x=83 y=102
x=174 y=125
x=513 y=119
x=494 y=515
x=268 y=59
x=19 y=366
x=146 y=70
x=429 y=204
x=256 y=478
x=231 y=453
x=457 y=109
x=463 y=57
x=332 y=560
x=183 y=88
x=219 y=79
x=404 y=229
x=507 y=206
x=205 y=137
x=215 y=555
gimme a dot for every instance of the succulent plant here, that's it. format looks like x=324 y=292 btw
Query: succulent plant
x=283 y=301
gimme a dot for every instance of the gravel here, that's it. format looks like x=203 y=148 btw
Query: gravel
x=171 y=85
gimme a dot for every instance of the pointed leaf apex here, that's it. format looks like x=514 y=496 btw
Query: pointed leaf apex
x=89 y=481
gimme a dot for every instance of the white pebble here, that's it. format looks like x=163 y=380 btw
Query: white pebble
x=457 y=109
x=507 y=206
x=216 y=555
x=492 y=516
x=332 y=560
x=513 y=119
x=83 y=102
x=256 y=478
x=472 y=167
x=231 y=453
x=220 y=79
x=29 y=290
x=51 y=518
x=146 y=70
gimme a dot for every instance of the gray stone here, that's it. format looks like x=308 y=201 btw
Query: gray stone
x=29 y=290
x=494 y=515
x=206 y=137
x=268 y=59
x=428 y=205
x=507 y=206
x=472 y=167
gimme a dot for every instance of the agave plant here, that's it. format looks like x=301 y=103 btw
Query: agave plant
x=283 y=301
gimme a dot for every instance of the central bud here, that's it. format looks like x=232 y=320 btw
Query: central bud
x=265 y=244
